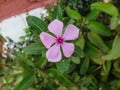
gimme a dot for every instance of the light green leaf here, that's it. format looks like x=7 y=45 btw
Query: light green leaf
x=108 y=8
x=34 y=49
x=113 y=22
x=97 y=41
x=114 y=53
x=26 y=82
x=98 y=28
x=75 y=60
x=72 y=13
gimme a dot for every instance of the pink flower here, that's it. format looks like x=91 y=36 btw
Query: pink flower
x=54 y=43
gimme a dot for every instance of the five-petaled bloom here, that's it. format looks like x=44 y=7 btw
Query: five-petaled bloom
x=54 y=43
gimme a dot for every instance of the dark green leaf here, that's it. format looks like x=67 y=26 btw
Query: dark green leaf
x=105 y=7
x=42 y=62
x=98 y=28
x=63 y=66
x=36 y=24
x=85 y=66
x=57 y=13
x=117 y=65
x=25 y=63
x=94 y=54
x=80 y=42
x=34 y=49
x=26 y=82
x=72 y=13
x=79 y=52
x=62 y=79
x=97 y=41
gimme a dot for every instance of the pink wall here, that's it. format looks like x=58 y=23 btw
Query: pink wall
x=10 y=8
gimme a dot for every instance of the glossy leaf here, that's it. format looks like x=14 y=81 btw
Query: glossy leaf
x=108 y=8
x=114 y=53
x=72 y=13
x=98 y=28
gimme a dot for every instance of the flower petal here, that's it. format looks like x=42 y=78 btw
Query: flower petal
x=54 y=54
x=68 y=49
x=71 y=32
x=56 y=27
x=47 y=39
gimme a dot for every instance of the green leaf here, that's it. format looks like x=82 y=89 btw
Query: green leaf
x=26 y=82
x=25 y=63
x=107 y=67
x=34 y=49
x=80 y=42
x=117 y=65
x=36 y=24
x=114 y=53
x=72 y=13
x=114 y=22
x=107 y=8
x=57 y=13
x=94 y=54
x=93 y=14
x=63 y=66
x=97 y=41
x=85 y=66
x=98 y=28
x=75 y=60
x=42 y=62
x=79 y=52
x=61 y=78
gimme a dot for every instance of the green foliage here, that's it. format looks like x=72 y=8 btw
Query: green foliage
x=94 y=65
x=36 y=24
x=98 y=28
x=109 y=9
x=34 y=49
x=72 y=13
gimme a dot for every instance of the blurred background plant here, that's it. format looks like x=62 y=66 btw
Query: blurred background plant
x=95 y=65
